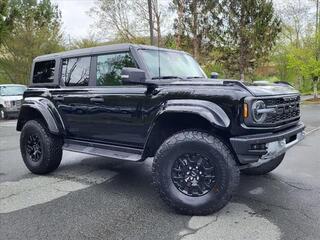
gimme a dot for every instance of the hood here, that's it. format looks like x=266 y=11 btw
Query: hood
x=257 y=90
x=271 y=89
x=10 y=98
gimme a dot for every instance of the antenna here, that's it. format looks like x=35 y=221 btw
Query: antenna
x=158 y=35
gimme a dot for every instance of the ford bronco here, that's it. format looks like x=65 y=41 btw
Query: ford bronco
x=131 y=102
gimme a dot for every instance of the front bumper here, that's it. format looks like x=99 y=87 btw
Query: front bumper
x=273 y=145
x=12 y=112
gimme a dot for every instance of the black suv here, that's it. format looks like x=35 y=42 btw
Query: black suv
x=130 y=102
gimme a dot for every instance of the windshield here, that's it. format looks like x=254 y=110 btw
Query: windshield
x=172 y=65
x=12 y=90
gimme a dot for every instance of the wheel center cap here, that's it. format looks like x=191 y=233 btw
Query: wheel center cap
x=194 y=173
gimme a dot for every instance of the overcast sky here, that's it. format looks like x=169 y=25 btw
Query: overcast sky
x=76 y=21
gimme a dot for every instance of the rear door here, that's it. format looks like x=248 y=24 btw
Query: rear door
x=72 y=99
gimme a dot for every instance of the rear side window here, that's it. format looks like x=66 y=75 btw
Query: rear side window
x=44 y=72
x=76 y=71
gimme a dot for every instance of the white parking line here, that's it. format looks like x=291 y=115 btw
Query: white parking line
x=237 y=220
x=32 y=191
x=8 y=123
x=313 y=130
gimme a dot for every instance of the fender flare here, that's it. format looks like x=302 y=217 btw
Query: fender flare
x=208 y=110
x=46 y=109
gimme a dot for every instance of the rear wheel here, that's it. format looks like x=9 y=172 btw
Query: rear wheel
x=195 y=173
x=41 y=151
x=264 y=168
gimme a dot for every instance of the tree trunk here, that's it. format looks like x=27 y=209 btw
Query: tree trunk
x=180 y=25
x=242 y=46
x=242 y=76
x=157 y=15
x=315 y=88
x=151 y=25
x=196 y=40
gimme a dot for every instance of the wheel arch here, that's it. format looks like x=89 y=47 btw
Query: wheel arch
x=44 y=109
x=179 y=115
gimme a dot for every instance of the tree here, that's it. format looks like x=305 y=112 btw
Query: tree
x=3 y=18
x=303 y=62
x=296 y=18
x=153 y=15
x=115 y=19
x=35 y=31
x=195 y=21
x=250 y=31
x=129 y=20
x=85 y=43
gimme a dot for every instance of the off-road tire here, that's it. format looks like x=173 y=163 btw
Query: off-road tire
x=264 y=168
x=51 y=145
x=195 y=141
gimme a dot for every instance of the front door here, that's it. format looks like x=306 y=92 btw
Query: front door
x=115 y=108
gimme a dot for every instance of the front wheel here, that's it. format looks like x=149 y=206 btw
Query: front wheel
x=41 y=151
x=264 y=168
x=195 y=173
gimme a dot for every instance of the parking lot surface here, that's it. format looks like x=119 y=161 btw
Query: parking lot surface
x=96 y=198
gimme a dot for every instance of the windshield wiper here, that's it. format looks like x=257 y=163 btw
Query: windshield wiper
x=167 y=77
x=194 y=77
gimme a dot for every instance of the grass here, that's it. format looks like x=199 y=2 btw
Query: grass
x=313 y=100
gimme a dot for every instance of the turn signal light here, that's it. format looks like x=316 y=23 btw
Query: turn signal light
x=245 y=110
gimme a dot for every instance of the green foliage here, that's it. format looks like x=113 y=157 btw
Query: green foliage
x=35 y=31
x=249 y=33
x=6 y=19
x=85 y=43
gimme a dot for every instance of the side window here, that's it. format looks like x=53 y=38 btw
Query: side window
x=76 y=71
x=44 y=72
x=109 y=68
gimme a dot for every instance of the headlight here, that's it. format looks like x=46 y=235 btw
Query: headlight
x=258 y=111
x=7 y=104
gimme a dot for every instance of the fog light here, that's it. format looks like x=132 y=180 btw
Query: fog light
x=258 y=146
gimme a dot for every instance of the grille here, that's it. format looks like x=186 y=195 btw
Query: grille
x=16 y=103
x=287 y=109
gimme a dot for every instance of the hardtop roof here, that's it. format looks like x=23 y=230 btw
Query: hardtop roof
x=98 y=50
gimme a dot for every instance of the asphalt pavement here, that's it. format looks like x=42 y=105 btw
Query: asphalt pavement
x=95 y=198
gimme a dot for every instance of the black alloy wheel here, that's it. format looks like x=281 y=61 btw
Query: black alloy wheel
x=194 y=174
x=34 y=148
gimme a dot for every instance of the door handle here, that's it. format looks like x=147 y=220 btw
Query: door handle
x=97 y=99
x=58 y=98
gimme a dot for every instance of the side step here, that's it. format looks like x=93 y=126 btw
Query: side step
x=103 y=150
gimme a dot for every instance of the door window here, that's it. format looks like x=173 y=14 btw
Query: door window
x=76 y=71
x=109 y=68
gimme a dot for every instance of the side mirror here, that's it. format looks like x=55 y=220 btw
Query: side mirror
x=214 y=75
x=133 y=75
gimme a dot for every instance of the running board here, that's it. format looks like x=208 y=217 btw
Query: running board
x=103 y=150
